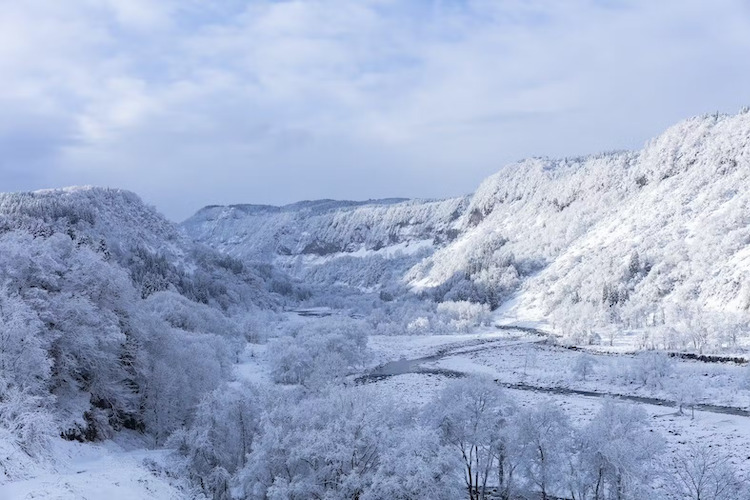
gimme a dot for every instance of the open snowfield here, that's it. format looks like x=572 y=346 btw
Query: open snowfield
x=102 y=471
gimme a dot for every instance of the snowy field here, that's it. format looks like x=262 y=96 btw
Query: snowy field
x=122 y=470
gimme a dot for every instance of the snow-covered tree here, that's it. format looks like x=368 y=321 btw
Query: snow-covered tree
x=616 y=454
x=543 y=437
x=470 y=414
x=220 y=438
x=181 y=367
x=315 y=355
x=686 y=394
x=651 y=368
x=322 y=446
x=583 y=366
x=415 y=466
x=24 y=362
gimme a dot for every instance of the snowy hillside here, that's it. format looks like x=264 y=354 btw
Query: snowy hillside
x=119 y=226
x=654 y=238
x=624 y=238
x=322 y=227
x=114 y=215
x=657 y=237
x=326 y=242
x=101 y=299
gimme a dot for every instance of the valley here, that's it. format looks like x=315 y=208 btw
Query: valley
x=576 y=328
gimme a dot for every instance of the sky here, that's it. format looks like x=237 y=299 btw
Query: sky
x=193 y=102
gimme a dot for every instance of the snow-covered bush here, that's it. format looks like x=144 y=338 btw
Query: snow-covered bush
x=463 y=316
x=220 y=438
x=315 y=354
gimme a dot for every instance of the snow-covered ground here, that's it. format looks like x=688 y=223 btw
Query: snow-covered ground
x=128 y=469
x=552 y=366
x=729 y=433
x=518 y=358
x=122 y=470
x=393 y=347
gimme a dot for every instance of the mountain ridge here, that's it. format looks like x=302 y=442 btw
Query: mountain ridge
x=548 y=231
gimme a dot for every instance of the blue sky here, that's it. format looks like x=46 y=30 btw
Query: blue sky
x=191 y=102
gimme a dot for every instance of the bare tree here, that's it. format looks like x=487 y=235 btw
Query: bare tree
x=704 y=473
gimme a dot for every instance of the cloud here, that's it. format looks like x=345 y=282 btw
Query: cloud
x=194 y=102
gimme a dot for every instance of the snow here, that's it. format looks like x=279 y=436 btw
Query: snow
x=607 y=255
x=516 y=312
x=392 y=347
x=399 y=250
x=251 y=366
x=552 y=235
x=324 y=228
x=98 y=471
x=727 y=432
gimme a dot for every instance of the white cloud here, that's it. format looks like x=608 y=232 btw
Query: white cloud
x=194 y=102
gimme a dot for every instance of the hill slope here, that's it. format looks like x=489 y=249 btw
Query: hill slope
x=156 y=253
x=624 y=238
x=102 y=300
x=361 y=244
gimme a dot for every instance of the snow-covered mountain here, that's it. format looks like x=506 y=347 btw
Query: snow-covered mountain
x=671 y=240
x=617 y=237
x=361 y=244
x=115 y=215
x=322 y=227
x=116 y=322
